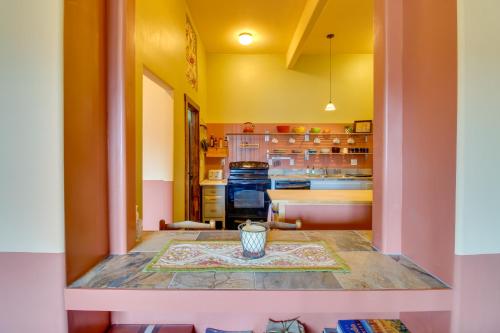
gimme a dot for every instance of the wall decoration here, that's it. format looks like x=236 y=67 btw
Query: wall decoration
x=191 y=55
x=363 y=126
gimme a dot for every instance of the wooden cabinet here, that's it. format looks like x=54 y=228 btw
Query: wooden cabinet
x=214 y=204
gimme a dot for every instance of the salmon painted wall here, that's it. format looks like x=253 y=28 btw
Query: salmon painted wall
x=388 y=120
x=31 y=167
x=85 y=136
x=259 y=88
x=161 y=49
x=429 y=133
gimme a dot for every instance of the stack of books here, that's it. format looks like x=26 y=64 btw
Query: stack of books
x=368 y=326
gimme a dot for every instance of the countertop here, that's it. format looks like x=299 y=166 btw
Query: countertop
x=208 y=182
x=321 y=196
x=318 y=177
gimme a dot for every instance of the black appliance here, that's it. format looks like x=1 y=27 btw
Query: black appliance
x=292 y=185
x=247 y=196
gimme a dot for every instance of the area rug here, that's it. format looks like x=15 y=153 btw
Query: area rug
x=227 y=256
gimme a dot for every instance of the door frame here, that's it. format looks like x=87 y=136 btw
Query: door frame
x=187 y=200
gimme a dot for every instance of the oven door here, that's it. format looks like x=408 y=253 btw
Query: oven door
x=248 y=198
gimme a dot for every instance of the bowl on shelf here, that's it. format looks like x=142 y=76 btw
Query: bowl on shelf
x=324 y=150
x=248 y=127
x=327 y=130
x=299 y=129
x=296 y=151
x=312 y=151
x=283 y=129
x=315 y=130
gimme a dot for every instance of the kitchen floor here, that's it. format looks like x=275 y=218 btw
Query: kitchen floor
x=370 y=270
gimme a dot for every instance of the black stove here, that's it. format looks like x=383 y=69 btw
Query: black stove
x=247 y=196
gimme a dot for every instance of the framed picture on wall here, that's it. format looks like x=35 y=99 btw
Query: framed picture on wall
x=362 y=126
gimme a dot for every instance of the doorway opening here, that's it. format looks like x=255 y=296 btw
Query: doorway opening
x=157 y=151
x=192 y=140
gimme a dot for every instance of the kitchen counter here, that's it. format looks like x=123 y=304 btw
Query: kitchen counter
x=323 y=209
x=317 y=177
x=328 y=197
x=208 y=182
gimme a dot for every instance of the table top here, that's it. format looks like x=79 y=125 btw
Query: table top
x=321 y=196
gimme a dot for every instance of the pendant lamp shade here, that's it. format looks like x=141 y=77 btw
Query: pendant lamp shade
x=330 y=106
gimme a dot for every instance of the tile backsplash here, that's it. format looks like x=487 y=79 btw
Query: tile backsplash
x=288 y=151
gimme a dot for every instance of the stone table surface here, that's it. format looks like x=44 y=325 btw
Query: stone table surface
x=370 y=270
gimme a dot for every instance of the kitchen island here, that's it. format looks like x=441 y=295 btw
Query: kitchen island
x=324 y=209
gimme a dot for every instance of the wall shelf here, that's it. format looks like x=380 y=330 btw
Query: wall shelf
x=271 y=153
x=275 y=134
x=217 y=152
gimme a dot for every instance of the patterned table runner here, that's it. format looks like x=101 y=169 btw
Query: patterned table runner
x=202 y=256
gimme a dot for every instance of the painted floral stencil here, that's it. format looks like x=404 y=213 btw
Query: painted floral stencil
x=193 y=256
x=191 y=55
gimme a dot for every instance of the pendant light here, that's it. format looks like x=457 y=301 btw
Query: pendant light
x=330 y=106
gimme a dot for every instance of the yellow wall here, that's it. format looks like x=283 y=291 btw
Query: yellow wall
x=161 y=47
x=260 y=89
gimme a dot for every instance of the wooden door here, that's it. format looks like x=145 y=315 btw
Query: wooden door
x=193 y=203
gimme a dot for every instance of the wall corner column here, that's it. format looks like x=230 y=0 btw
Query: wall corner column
x=121 y=125
x=388 y=131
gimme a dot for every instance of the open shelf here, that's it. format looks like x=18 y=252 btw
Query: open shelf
x=219 y=152
x=271 y=153
x=290 y=133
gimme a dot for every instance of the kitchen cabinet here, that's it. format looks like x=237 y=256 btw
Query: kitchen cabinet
x=214 y=203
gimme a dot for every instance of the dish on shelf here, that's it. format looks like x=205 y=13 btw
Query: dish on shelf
x=324 y=150
x=248 y=127
x=283 y=129
x=297 y=151
x=315 y=130
x=299 y=129
x=312 y=151
x=327 y=131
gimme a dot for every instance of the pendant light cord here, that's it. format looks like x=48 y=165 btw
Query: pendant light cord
x=330 y=70
x=330 y=37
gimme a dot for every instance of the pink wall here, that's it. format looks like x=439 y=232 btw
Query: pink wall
x=157 y=201
x=242 y=321
x=31 y=289
x=318 y=161
x=477 y=294
x=388 y=131
x=331 y=217
x=429 y=133
x=428 y=322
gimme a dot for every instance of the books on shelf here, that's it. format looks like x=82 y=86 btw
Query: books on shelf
x=371 y=326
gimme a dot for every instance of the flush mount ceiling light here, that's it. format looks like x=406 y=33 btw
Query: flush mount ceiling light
x=330 y=106
x=245 y=38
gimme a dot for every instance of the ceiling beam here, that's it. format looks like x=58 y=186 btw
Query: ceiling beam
x=310 y=15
